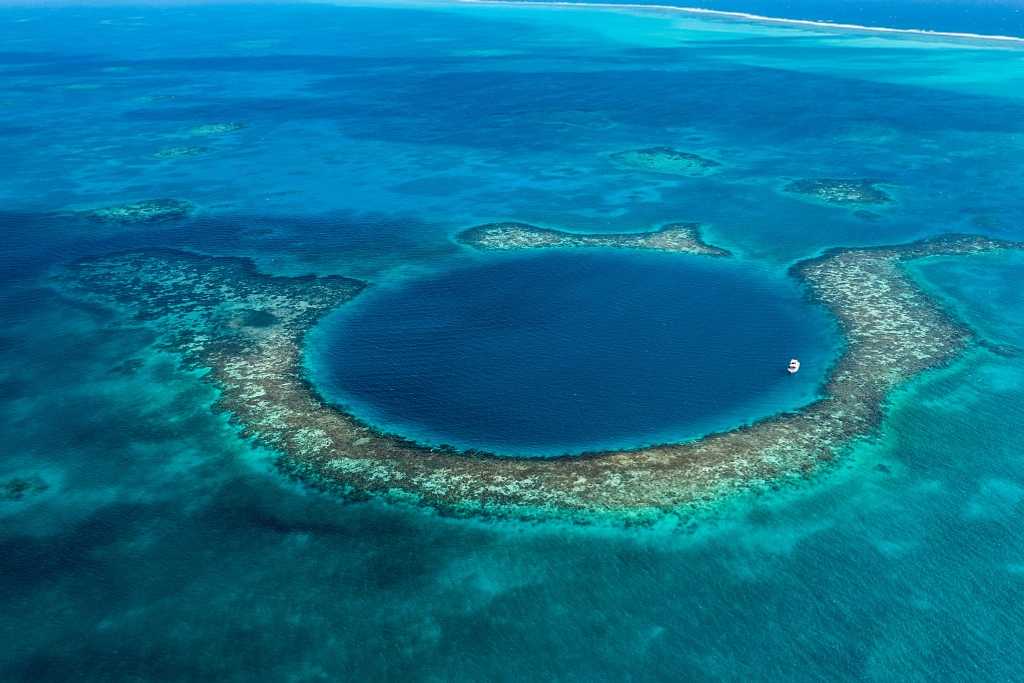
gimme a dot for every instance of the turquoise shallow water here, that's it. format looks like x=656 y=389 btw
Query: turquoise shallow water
x=166 y=546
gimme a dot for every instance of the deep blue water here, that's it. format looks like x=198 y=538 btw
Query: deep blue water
x=569 y=352
x=168 y=548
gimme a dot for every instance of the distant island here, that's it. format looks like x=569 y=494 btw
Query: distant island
x=674 y=237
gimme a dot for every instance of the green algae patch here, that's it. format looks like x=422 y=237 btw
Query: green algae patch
x=147 y=211
x=675 y=237
x=856 y=191
x=665 y=160
x=894 y=332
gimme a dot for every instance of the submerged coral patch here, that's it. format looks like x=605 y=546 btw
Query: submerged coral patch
x=162 y=97
x=183 y=152
x=217 y=128
x=840 y=191
x=147 y=211
x=893 y=332
x=868 y=216
x=665 y=160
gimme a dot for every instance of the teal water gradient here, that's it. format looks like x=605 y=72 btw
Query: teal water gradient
x=167 y=547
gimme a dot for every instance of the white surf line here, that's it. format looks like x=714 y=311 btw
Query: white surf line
x=745 y=16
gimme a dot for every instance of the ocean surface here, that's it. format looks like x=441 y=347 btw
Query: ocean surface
x=167 y=547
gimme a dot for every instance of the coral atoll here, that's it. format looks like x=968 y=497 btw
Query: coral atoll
x=248 y=328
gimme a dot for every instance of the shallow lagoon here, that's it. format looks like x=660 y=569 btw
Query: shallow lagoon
x=567 y=352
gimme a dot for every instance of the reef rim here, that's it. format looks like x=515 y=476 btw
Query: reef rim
x=199 y=306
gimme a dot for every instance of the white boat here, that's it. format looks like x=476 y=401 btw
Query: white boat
x=794 y=366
